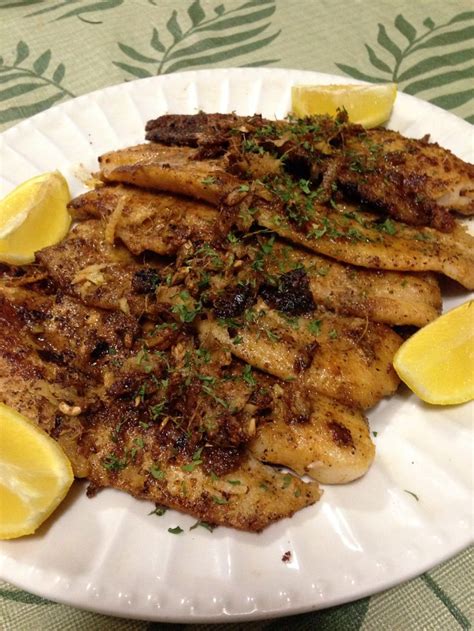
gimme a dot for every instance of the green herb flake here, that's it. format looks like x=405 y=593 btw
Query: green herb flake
x=203 y=524
x=243 y=188
x=286 y=481
x=314 y=327
x=175 y=531
x=209 y=180
x=248 y=377
x=387 y=226
x=156 y=472
x=412 y=494
x=113 y=463
x=219 y=500
x=159 y=511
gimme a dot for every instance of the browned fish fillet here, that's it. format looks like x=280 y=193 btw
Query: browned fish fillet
x=413 y=180
x=101 y=274
x=364 y=241
x=332 y=444
x=109 y=441
x=37 y=388
x=171 y=169
x=395 y=298
x=249 y=497
x=394 y=246
x=160 y=223
x=348 y=359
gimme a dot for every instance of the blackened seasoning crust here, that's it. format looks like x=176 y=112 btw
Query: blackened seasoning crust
x=145 y=280
x=291 y=295
x=234 y=301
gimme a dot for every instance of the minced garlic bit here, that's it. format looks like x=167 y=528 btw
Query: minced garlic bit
x=124 y=306
x=114 y=218
x=69 y=410
x=92 y=273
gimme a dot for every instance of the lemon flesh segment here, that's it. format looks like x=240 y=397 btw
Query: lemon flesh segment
x=367 y=105
x=437 y=363
x=33 y=216
x=35 y=475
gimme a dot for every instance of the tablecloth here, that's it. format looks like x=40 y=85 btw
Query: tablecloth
x=53 y=50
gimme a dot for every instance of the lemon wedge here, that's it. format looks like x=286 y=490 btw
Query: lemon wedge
x=367 y=105
x=35 y=475
x=437 y=363
x=33 y=216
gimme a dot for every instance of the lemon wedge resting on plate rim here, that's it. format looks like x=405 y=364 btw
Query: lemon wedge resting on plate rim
x=35 y=475
x=367 y=105
x=437 y=363
x=33 y=216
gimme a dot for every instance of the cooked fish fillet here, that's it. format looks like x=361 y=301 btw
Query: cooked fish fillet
x=395 y=298
x=413 y=180
x=348 y=359
x=109 y=442
x=249 y=497
x=332 y=444
x=171 y=169
x=160 y=223
x=365 y=241
x=101 y=274
x=37 y=388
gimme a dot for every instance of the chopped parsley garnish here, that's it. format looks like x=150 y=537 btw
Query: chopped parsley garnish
x=177 y=530
x=203 y=524
x=387 y=226
x=209 y=180
x=156 y=472
x=248 y=377
x=314 y=327
x=159 y=511
x=219 y=500
x=113 y=463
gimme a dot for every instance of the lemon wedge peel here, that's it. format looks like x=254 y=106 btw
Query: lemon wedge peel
x=35 y=475
x=33 y=216
x=437 y=363
x=367 y=105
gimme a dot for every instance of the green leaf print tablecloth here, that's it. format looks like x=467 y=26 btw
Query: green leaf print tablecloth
x=54 y=50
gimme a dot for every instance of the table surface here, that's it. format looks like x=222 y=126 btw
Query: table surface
x=54 y=50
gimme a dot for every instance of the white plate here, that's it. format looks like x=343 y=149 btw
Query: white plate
x=106 y=554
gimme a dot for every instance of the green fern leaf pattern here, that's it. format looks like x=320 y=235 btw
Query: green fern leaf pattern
x=195 y=38
x=29 y=89
x=56 y=8
x=426 y=60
